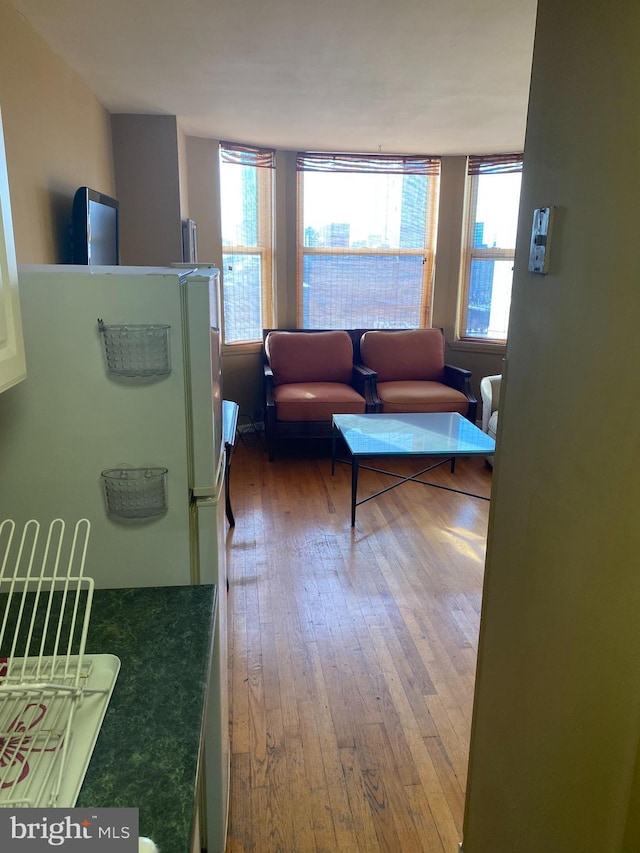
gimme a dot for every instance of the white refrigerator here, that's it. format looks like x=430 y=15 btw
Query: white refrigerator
x=120 y=421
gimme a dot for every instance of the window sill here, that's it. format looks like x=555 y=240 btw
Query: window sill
x=489 y=347
x=230 y=350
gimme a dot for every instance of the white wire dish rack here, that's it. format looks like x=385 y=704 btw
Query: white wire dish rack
x=53 y=697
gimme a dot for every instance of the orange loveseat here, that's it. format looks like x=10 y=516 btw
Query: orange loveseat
x=310 y=375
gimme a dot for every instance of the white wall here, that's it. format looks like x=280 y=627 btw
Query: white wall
x=557 y=715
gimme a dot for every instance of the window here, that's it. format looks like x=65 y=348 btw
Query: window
x=246 y=200
x=493 y=196
x=366 y=240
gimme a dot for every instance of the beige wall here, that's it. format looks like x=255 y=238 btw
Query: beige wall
x=557 y=718
x=147 y=167
x=57 y=138
x=204 y=196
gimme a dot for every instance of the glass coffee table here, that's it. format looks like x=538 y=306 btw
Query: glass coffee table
x=379 y=436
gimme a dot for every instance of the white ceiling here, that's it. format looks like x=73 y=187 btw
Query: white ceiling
x=412 y=76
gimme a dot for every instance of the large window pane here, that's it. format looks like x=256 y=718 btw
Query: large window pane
x=496 y=217
x=239 y=191
x=489 y=299
x=337 y=292
x=361 y=210
x=242 y=297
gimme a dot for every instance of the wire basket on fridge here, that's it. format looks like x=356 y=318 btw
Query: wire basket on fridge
x=135 y=492
x=136 y=351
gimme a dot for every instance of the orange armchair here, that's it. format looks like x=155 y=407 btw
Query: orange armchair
x=309 y=376
x=411 y=375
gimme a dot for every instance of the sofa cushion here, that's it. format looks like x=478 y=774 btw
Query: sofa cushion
x=417 y=396
x=316 y=401
x=310 y=356
x=407 y=354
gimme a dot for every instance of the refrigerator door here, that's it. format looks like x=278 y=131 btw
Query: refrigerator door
x=200 y=300
x=210 y=521
x=70 y=420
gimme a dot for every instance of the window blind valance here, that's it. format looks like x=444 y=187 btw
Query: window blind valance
x=494 y=164
x=246 y=155
x=384 y=164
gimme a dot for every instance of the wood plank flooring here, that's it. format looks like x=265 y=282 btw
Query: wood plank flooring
x=352 y=655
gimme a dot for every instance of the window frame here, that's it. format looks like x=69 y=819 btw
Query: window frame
x=478 y=166
x=370 y=164
x=263 y=160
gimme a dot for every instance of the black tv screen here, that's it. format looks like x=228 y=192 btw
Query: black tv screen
x=95 y=228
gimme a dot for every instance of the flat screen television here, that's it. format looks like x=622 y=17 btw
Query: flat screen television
x=95 y=228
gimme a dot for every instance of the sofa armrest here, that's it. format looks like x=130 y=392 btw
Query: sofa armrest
x=364 y=381
x=457 y=377
x=269 y=403
x=460 y=379
x=490 y=393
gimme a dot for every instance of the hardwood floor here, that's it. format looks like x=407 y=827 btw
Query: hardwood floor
x=352 y=655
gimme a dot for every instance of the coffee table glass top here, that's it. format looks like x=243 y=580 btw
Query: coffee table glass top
x=436 y=434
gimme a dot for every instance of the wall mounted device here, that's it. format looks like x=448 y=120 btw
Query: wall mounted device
x=540 y=236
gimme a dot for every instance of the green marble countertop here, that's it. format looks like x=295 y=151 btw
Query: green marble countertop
x=147 y=753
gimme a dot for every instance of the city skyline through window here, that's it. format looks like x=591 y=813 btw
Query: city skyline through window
x=369 y=209
x=366 y=249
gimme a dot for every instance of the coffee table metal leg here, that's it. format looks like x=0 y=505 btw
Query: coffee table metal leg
x=334 y=433
x=354 y=489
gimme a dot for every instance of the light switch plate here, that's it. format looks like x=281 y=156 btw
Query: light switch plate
x=540 y=237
